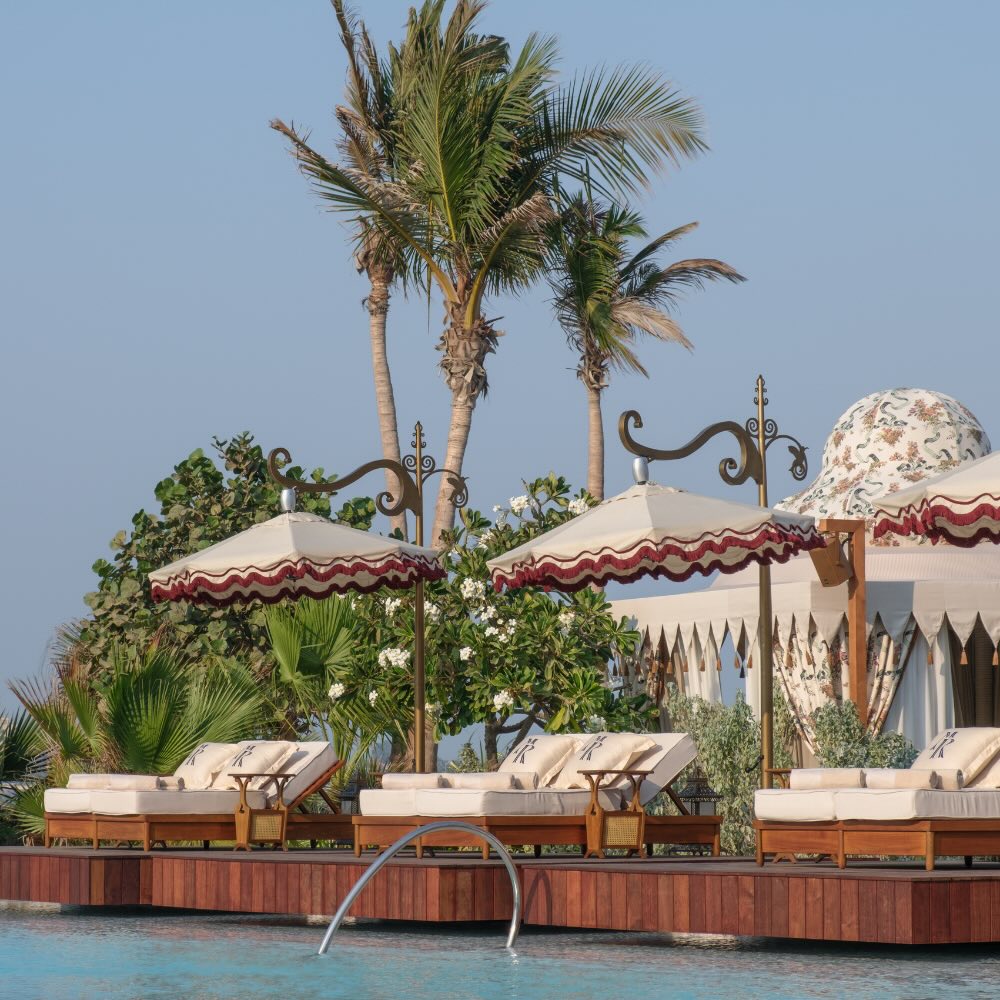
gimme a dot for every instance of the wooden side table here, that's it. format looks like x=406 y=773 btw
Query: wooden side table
x=261 y=826
x=621 y=828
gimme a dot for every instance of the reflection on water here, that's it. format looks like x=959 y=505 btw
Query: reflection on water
x=124 y=954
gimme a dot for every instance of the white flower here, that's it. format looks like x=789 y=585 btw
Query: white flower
x=393 y=656
x=497 y=509
x=491 y=630
x=487 y=614
x=578 y=506
x=596 y=723
x=484 y=540
x=372 y=697
x=504 y=637
x=566 y=618
x=336 y=691
x=465 y=654
x=392 y=605
x=432 y=611
x=501 y=519
x=519 y=504
x=473 y=591
x=433 y=710
x=503 y=700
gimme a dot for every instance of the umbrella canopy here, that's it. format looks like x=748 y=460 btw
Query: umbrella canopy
x=961 y=507
x=294 y=555
x=653 y=530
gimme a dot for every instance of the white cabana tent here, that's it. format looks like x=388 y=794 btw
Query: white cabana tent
x=928 y=607
x=920 y=601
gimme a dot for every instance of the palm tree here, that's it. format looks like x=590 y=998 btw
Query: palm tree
x=480 y=146
x=367 y=145
x=605 y=299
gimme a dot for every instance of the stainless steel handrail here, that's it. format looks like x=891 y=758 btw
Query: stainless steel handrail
x=515 y=920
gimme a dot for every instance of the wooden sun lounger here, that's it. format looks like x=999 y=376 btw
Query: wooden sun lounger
x=839 y=839
x=515 y=831
x=153 y=829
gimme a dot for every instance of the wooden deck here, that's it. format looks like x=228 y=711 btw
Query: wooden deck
x=896 y=904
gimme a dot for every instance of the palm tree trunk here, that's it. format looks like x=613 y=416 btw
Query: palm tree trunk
x=385 y=400
x=595 y=444
x=458 y=439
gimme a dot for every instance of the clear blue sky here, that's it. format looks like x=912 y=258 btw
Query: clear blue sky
x=167 y=276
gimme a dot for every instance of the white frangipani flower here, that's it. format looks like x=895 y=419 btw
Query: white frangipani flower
x=372 y=697
x=597 y=723
x=578 y=506
x=336 y=691
x=487 y=614
x=566 y=618
x=432 y=612
x=393 y=656
x=465 y=654
x=392 y=605
x=484 y=540
x=490 y=631
x=519 y=504
x=503 y=701
x=473 y=591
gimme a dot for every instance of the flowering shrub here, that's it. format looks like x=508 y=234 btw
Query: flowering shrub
x=510 y=661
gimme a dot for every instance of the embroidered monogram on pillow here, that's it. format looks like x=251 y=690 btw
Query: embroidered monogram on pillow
x=201 y=766
x=967 y=750
x=542 y=755
x=602 y=751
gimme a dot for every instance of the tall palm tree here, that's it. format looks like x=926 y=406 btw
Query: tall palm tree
x=606 y=300
x=366 y=143
x=484 y=138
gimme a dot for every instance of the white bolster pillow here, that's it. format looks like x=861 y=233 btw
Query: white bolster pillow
x=171 y=783
x=890 y=777
x=950 y=779
x=807 y=778
x=526 y=780
x=115 y=782
x=485 y=781
x=399 y=780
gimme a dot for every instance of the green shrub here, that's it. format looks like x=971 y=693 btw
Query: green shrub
x=841 y=740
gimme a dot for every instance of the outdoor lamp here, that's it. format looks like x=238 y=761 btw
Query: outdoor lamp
x=699 y=796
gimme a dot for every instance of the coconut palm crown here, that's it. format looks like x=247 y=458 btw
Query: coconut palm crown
x=606 y=300
x=480 y=137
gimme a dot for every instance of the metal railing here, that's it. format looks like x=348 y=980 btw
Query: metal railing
x=515 y=920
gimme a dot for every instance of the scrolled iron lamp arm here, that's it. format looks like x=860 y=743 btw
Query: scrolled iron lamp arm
x=733 y=472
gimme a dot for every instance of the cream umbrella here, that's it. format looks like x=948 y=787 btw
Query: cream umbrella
x=657 y=531
x=295 y=554
x=961 y=507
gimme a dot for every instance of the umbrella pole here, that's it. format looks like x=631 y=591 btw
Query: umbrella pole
x=766 y=640
x=419 y=694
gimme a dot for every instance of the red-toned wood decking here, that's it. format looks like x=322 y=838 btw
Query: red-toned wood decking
x=871 y=903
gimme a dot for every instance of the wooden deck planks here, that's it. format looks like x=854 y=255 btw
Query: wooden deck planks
x=806 y=902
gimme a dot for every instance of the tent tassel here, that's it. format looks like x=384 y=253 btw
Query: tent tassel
x=718 y=664
x=789 y=661
x=996 y=658
x=930 y=653
x=750 y=662
x=964 y=658
x=736 y=661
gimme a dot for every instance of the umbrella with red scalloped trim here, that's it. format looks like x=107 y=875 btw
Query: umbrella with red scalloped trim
x=961 y=506
x=295 y=554
x=658 y=531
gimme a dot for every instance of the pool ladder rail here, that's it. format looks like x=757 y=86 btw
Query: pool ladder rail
x=515 y=920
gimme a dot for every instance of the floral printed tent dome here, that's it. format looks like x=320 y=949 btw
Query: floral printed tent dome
x=887 y=441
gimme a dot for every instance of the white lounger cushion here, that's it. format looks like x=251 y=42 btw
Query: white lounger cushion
x=875 y=804
x=602 y=751
x=458 y=802
x=67 y=800
x=783 y=805
x=308 y=761
x=192 y=802
x=485 y=781
x=388 y=801
x=805 y=778
x=671 y=753
x=253 y=757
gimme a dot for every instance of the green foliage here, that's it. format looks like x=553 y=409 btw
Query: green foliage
x=199 y=505
x=469 y=760
x=22 y=768
x=728 y=740
x=508 y=660
x=841 y=740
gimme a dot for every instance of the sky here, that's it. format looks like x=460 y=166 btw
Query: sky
x=167 y=276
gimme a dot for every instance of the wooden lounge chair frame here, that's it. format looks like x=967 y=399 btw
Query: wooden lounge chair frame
x=923 y=838
x=515 y=831
x=153 y=829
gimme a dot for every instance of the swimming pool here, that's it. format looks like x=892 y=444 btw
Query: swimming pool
x=86 y=954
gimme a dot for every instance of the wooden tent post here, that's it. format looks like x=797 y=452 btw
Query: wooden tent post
x=857 y=626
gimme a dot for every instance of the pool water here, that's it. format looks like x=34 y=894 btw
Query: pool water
x=72 y=954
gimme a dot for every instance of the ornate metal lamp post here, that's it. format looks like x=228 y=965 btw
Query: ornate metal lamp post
x=411 y=474
x=754 y=438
